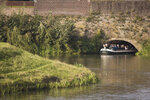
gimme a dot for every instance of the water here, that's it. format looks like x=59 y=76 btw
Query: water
x=123 y=77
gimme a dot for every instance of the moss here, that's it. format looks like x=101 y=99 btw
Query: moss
x=22 y=71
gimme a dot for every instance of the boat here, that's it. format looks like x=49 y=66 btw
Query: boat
x=108 y=51
x=118 y=47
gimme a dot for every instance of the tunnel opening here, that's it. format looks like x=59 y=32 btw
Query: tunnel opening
x=118 y=47
x=124 y=44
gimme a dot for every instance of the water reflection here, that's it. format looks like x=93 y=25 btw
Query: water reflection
x=120 y=70
x=63 y=94
x=123 y=77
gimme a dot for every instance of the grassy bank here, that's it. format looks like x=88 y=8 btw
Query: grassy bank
x=21 y=71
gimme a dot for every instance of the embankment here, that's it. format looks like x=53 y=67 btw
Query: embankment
x=22 y=71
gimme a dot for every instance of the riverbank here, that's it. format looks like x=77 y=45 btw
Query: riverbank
x=23 y=71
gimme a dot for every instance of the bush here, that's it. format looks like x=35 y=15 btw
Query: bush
x=46 y=36
x=88 y=45
x=36 y=34
x=146 y=49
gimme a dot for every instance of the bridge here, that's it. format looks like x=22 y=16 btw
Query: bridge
x=110 y=25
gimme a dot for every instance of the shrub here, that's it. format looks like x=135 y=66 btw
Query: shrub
x=36 y=34
x=46 y=36
x=146 y=49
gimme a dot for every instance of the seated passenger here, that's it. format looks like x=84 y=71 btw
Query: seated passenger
x=122 y=47
x=126 y=48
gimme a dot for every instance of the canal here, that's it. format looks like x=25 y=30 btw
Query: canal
x=122 y=77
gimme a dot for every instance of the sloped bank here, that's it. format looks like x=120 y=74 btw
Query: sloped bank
x=22 y=71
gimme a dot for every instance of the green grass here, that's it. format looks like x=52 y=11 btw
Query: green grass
x=22 y=71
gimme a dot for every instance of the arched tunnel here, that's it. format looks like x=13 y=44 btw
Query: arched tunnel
x=122 y=43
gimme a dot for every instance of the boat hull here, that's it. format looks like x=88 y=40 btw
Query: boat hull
x=117 y=52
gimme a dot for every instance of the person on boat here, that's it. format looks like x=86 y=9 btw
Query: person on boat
x=117 y=47
x=111 y=46
x=126 y=48
x=105 y=46
x=122 y=47
x=114 y=47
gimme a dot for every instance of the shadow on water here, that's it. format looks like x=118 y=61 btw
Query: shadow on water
x=122 y=77
x=63 y=94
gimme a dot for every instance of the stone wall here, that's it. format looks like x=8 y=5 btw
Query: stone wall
x=20 y=3
x=10 y=11
x=131 y=7
x=62 y=7
x=83 y=7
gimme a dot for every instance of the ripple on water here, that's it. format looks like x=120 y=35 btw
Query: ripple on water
x=122 y=78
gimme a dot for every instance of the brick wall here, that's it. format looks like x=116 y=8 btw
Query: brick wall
x=82 y=7
x=134 y=7
x=62 y=7
x=20 y=3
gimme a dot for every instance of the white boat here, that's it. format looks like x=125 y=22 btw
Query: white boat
x=112 y=52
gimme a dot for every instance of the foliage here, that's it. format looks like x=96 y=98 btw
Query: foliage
x=138 y=19
x=122 y=18
x=146 y=49
x=46 y=36
x=22 y=71
x=90 y=18
x=88 y=45
x=40 y=35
